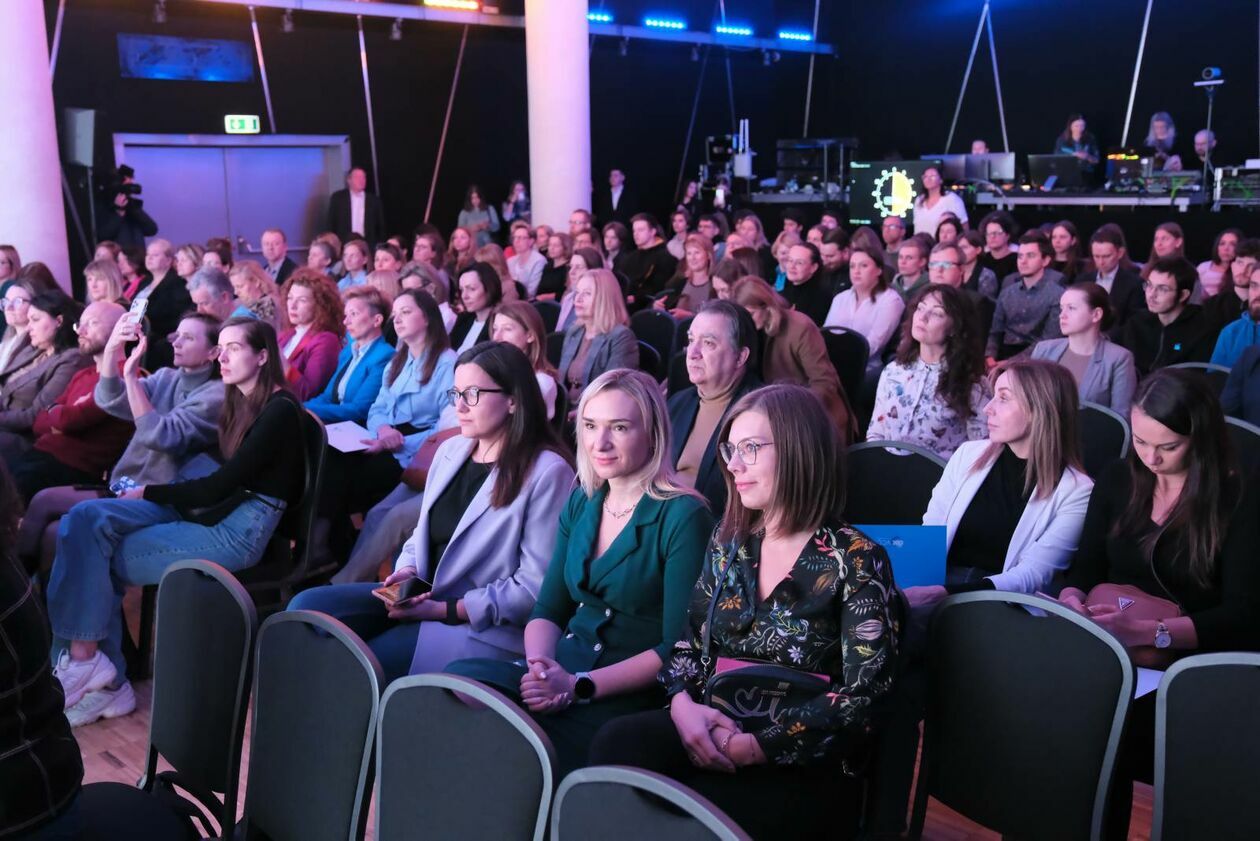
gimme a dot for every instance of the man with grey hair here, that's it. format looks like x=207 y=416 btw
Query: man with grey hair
x=211 y=293
x=168 y=301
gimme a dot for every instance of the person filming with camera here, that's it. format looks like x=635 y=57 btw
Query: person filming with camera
x=120 y=215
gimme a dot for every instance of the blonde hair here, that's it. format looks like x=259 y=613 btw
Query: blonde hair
x=751 y=291
x=106 y=270
x=785 y=239
x=658 y=478
x=608 y=307
x=386 y=282
x=258 y=279
x=192 y=251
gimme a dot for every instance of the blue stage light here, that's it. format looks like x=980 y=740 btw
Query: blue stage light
x=730 y=29
x=664 y=23
x=599 y=17
x=793 y=35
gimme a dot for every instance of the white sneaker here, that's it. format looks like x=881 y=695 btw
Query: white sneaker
x=79 y=677
x=103 y=703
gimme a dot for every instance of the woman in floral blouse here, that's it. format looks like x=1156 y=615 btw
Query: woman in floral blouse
x=799 y=588
x=934 y=393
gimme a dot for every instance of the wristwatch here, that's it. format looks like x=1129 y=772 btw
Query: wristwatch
x=583 y=688
x=1163 y=639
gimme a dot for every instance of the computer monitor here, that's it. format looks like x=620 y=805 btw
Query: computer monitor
x=953 y=167
x=992 y=166
x=878 y=189
x=1055 y=172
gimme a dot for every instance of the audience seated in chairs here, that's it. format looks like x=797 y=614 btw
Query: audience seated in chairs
x=976 y=276
x=722 y=366
x=599 y=339
x=808 y=288
x=782 y=557
x=168 y=301
x=423 y=277
x=934 y=392
x=485 y=532
x=227 y=517
x=175 y=412
x=15 y=346
x=582 y=261
x=312 y=342
x=520 y=325
x=1242 y=332
x=1027 y=309
x=354 y=264
x=1176 y=526
x=794 y=351
x=357 y=381
x=868 y=306
x=1172 y=330
x=692 y=285
x=256 y=294
x=1114 y=272
x=1241 y=396
x=480 y=291
x=76 y=441
x=1213 y=273
x=1225 y=306
x=555 y=274
x=650 y=266
x=104 y=282
x=613 y=602
x=212 y=294
x=1103 y=371
x=526 y=265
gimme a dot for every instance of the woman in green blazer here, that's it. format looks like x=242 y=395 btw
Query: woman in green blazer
x=629 y=547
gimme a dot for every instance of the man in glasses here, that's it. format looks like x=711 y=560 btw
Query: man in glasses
x=1172 y=330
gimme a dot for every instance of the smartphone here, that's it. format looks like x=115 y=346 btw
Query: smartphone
x=401 y=591
x=138 y=308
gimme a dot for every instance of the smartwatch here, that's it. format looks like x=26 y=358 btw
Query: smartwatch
x=583 y=688
x=1163 y=639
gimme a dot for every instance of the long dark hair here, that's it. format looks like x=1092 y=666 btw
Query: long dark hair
x=60 y=305
x=435 y=338
x=964 y=348
x=1184 y=402
x=240 y=410
x=528 y=433
x=1072 y=264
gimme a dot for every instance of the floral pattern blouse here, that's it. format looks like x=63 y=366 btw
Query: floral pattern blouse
x=908 y=408
x=835 y=613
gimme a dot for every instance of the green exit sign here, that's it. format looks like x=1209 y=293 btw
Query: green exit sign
x=241 y=124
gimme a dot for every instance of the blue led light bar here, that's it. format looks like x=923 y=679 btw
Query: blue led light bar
x=665 y=23
x=599 y=17
x=792 y=35
x=729 y=29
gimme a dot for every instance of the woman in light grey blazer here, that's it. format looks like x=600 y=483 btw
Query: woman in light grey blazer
x=599 y=339
x=486 y=531
x=1104 y=372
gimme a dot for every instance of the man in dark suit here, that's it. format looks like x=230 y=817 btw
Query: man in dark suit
x=722 y=365
x=616 y=203
x=356 y=211
x=1124 y=286
x=275 y=252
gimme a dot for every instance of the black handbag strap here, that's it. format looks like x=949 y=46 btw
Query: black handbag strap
x=706 y=635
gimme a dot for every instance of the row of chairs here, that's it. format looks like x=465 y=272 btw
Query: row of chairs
x=450 y=758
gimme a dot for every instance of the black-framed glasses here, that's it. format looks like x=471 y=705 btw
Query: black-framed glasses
x=471 y=395
x=746 y=450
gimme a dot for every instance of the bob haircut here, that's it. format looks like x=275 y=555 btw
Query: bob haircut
x=809 y=473
x=657 y=477
x=371 y=297
x=327 y=298
x=106 y=270
x=608 y=309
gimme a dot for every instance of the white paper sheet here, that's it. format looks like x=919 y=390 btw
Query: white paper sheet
x=347 y=436
x=1146 y=681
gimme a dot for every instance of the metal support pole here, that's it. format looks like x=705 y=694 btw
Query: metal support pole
x=997 y=82
x=691 y=125
x=56 y=42
x=1137 y=71
x=367 y=97
x=809 y=84
x=971 y=60
x=446 y=124
x=74 y=215
x=262 y=69
x=730 y=83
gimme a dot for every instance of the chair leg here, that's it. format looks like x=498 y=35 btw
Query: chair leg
x=144 y=645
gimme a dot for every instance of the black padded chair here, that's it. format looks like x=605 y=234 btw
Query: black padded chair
x=656 y=328
x=490 y=745
x=1245 y=438
x=849 y=352
x=561 y=415
x=680 y=335
x=890 y=483
x=316 y=700
x=555 y=346
x=206 y=625
x=617 y=803
x=1024 y=716
x=1216 y=375
x=1105 y=437
x=1207 y=749
x=678 y=378
x=650 y=361
x=550 y=312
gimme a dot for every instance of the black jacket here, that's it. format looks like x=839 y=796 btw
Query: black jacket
x=167 y=305
x=128 y=228
x=683 y=408
x=1191 y=338
x=648 y=269
x=627 y=205
x=1127 y=298
x=373 y=216
x=813 y=297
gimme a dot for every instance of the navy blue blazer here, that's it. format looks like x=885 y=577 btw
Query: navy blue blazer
x=1241 y=396
x=683 y=408
x=361 y=390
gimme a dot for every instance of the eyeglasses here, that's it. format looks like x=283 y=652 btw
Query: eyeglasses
x=941 y=264
x=471 y=395
x=14 y=303
x=746 y=450
x=1147 y=286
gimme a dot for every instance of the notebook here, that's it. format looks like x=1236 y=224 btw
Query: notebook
x=917 y=552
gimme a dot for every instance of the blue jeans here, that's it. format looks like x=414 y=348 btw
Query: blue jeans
x=385 y=529
x=104 y=545
x=393 y=642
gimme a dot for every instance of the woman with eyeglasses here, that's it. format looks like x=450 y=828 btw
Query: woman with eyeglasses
x=485 y=533
x=15 y=346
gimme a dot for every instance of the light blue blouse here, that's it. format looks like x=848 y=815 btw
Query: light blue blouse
x=407 y=401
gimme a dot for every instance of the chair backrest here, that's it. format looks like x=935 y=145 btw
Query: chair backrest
x=1245 y=439
x=1105 y=437
x=555 y=347
x=849 y=352
x=1207 y=748
x=438 y=756
x=203 y=660
x=656 y=328
x=316 y=439
x=890 y=483
x=680 y=335
x=650 y=361
x=1026 y=703
x=678 y=379
x=561 y=414
x=316 y=698
x=550 y=312
x=612 y=802
x=1216 y=375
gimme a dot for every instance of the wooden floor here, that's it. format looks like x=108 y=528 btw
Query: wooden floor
x=115 y=751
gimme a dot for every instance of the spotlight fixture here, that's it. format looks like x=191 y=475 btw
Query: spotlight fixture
x=286 y=21
x=623 y=47
x=665 y=23
x=599 y=17
x=726 y=29
x=794 y=35
x=159 y=11
x=395 y=30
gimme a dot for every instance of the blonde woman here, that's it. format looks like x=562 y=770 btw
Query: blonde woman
x=600 y=338
x=256 y=294
x=104 y=282
x=614 y=600
x=386 y=282
x=188 y=260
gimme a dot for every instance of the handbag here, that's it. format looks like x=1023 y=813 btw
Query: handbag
x=753 y=692
x=1141 y=605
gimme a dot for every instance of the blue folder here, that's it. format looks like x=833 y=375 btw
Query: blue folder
x=917 y=552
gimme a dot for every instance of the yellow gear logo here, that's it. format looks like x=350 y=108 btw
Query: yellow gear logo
x=894 y=192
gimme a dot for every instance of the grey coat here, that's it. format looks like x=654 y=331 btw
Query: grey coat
x=1110 y=379
x=26 y=394
x=617 y=348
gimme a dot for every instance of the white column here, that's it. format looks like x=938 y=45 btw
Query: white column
x=32 y=215
x=558 y=72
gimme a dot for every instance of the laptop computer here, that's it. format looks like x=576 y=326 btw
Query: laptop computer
x=1055 y=172
x=917 y=552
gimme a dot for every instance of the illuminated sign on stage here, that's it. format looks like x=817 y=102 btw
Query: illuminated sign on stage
x=184 y=59
x=241 y=124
